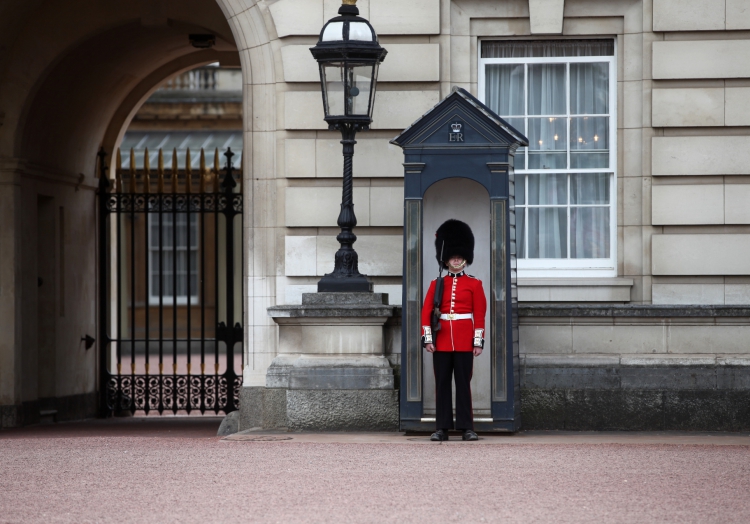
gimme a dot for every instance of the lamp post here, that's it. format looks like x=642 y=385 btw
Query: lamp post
x=348 y=55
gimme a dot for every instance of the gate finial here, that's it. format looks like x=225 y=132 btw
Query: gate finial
x=217 y=168
x=174 y=169
x=118 y=172
x=132 y=171
x=146 y=173
x=202 y=185
x=188 y=173
x=160 y=172
x=229 y=184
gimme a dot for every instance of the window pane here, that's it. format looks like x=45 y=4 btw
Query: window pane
x=167 y=273
x=589 y=89
x=166 y=227
x=548 y=189
x=547 y=142
x=153 y=231
x=548 y=232
x=589 y=232
x=504 y=89
x=194 y=231
x=519 y=161
x=182 y=231
x=520 y=186
x=155 y=285
x=589 y=188
x=547 y=89
x=520 y=231
x=520 y=156
x=589 y=142
x=518 y=123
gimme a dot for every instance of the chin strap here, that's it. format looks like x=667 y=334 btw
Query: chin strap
x=479 y=338
x=460 y=266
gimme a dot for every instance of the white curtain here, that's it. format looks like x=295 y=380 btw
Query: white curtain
x=546 y=128
x=589 y=95
x=547 y=48
x=589 y=226
x=548 y=225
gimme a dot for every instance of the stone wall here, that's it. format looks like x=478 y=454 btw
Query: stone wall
x=635 y=367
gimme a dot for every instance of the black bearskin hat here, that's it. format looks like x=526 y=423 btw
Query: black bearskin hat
x=458 y=239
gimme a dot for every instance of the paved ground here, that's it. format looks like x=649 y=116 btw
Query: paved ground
x=176 y=470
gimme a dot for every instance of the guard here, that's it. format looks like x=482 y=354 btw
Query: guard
x=453 y=328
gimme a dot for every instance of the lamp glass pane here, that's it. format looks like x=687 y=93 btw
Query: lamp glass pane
x=360 y=31
x=374 y=86
x=333 y=82
x=360 y=82
x=333 y=32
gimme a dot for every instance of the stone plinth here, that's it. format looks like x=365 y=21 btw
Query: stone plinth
x=331 y=372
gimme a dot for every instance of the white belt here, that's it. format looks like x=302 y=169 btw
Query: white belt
x=455 y=316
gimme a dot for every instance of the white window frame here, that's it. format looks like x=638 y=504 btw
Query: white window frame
x=168 y=300
x=568 y=267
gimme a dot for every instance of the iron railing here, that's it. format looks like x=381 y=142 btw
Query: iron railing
x=170 y=300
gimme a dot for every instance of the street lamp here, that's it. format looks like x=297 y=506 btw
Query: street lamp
x=348 y=55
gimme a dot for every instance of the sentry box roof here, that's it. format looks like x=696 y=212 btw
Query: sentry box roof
x=480 y=127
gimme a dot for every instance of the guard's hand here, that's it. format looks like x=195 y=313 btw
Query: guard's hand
x=477 y=351
x=430 y=348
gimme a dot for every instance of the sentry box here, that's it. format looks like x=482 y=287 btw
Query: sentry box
x=459 y=164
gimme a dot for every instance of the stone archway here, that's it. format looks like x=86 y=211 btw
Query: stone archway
x=73 y=74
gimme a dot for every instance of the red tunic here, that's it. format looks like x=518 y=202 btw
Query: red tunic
x=462 y=294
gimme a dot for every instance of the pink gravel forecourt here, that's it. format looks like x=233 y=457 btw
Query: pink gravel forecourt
x=174 y=469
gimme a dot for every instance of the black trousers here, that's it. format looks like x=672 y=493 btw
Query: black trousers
x=449 y=364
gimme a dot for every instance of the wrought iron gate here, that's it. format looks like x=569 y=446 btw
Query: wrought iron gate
x=170 y=263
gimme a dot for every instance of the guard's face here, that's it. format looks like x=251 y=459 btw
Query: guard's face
x=456 y=263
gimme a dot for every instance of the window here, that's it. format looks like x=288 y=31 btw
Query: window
x=561 y=95
x=173 y=256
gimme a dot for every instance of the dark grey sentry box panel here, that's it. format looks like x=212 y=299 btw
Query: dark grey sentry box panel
x=461 y=138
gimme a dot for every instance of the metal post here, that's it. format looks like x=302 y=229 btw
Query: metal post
x=104 y=341
x=346 y=276
x=231 y=332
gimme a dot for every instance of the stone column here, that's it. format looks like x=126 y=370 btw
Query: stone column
x=331 y=372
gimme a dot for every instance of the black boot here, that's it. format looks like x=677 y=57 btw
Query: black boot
x=439 y=435
x=469 y=435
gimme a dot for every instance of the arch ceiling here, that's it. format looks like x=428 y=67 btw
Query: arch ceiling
x=72 y=72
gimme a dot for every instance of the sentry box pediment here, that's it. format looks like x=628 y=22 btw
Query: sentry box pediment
x=459 y=164
x=470 y=124
x=464 y=138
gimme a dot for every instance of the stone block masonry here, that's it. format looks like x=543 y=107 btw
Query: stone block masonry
x=639 y=392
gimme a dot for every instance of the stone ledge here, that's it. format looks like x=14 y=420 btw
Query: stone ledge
x=338 y=299
x=615 y=373
x=567 y=282
x=649 y=360
x=631 y=310
x=353 y=310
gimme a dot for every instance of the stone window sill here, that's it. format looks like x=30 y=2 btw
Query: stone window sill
x=574 y=289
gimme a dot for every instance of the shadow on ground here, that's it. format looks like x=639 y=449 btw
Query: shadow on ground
x=154 y=426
